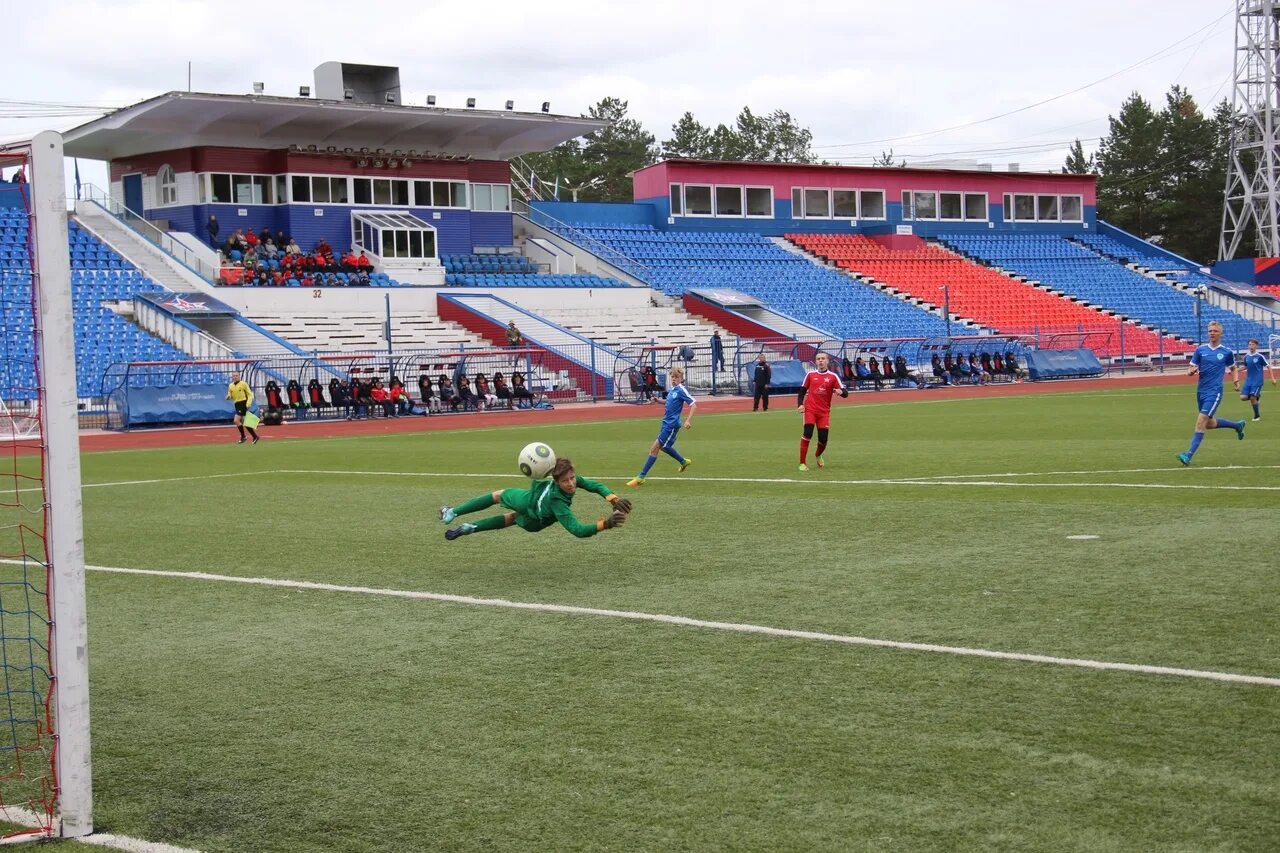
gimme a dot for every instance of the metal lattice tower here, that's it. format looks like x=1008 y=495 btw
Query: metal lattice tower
x=1253 y=168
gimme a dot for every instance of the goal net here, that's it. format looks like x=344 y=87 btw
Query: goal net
x=44 y=745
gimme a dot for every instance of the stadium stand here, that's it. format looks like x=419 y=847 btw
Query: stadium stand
x=98 y=276
x=321 y=332
x=789 y=283
x=995 y=300
x=489 y=264
x=1079 y=271
x=527 y=280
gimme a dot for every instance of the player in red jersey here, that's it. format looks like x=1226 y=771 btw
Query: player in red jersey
x=815 y=401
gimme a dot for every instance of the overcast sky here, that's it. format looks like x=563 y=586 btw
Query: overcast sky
x=863 y=76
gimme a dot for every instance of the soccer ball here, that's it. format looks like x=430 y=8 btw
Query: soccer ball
x=536 y=460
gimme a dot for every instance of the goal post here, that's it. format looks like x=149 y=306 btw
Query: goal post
x=45 y=767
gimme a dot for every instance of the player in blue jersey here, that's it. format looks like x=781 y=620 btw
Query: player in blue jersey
x=1211 y=362
x=677 y=399
x=1254 y=363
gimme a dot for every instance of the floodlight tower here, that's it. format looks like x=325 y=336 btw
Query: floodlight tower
x=1253 y=166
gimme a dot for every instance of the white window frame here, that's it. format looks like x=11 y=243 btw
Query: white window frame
x=1057 y=207
x=797 y=210
x=805 y=196
x=1013 y=207
x=711 y=192
x=1079 y=198
x=166 y=190
x=208 y=177
x=746 y=205
x=938 y=205
x=715 y=200
x=915 y=207
x=675 y=193
x=857 y=202
x=884 y=205
x=964 y=206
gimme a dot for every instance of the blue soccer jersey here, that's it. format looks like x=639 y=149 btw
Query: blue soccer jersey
x=677 y=397
x=1254 y=364
x=1213 y=363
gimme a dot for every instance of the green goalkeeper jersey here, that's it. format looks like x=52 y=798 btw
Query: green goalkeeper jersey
x=543 y=504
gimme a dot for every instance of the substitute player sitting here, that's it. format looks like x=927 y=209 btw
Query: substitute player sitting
x=677 y=398
x=1211 y=361
x=819 y=387
x=541 y=505
x=1254 y=363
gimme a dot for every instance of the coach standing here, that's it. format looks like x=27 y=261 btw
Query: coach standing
x=241 y=396
x=760 y=382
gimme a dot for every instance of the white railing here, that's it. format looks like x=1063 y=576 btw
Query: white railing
x=177 y=332
x=136 y=223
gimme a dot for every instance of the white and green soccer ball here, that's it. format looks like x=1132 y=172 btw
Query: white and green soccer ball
x=536 y=460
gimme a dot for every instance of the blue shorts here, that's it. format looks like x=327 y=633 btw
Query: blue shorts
x=667 y=435
x=1208 y=402
x=1252 y=389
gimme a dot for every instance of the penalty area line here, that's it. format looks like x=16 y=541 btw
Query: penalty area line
x=688 y=622
x=26 y=817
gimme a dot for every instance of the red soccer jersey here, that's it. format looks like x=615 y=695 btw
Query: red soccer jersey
x=819 y=389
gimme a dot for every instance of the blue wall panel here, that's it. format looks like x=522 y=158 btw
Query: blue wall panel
x=609 y=213
x=489 y=229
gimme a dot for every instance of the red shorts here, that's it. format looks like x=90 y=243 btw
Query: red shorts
x=822 y=420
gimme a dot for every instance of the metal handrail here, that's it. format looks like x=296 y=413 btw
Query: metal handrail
x=135 y=222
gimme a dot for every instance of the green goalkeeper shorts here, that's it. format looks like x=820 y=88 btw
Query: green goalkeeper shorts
x=517 y=500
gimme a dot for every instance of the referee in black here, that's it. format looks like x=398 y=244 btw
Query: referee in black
x=760 y=380
x=241 y=396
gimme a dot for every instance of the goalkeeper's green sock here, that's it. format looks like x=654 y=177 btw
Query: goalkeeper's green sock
x=493 y=522
x=474 y=505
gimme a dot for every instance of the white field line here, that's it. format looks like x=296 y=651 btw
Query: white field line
x=26 y=817
x=1090 y=473
x=829 y=482
x=687 y=622
x=164 y=480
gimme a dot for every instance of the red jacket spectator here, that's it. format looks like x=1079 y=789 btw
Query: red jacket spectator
x=349 y=260
x=323 y=247
x=251 y=239
x=363 y=262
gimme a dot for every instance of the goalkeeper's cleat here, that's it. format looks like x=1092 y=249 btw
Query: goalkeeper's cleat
x=821 y=464
x=804 y=467
x=638 y=481
x=447 y=514
x=685 y=464
x=461 y=530
x=1184 y=458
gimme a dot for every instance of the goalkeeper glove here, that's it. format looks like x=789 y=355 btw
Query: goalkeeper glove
x=619 y=503
x=615 y=520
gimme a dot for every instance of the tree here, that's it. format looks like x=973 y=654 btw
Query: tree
x=1077 y=163
x=1193 y=175
x=886 y=159
x=602 y=163
x=1128 y=161
x=690 y=140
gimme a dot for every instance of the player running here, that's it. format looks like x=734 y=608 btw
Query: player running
x=677 y=398
x=1254 y=363
x=819 y=387
x=1211 y=362
x=541 y=505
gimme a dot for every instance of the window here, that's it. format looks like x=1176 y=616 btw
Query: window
x=320 y=190
x=926 y=205
x=697 y=200
x=362 y=190
x=871 y=204
x=457 y=195
x=263 y=189
x=1072 y=208
x=481 y=197
x=844 y=204
x=1008 y=208
x=677 y=208
x=1024 y=208
x=797 y=203
x=760 y=201
x=382 y=191
x=166 y=186
x=817 y=204
x=949 y=206
x=202 y=188
x=282 y=189
x=502 y=197
x=728 y=201
x=975 y=206
x=908 y=209
x=221 y=189
x=301 y=188
x=1047 y=208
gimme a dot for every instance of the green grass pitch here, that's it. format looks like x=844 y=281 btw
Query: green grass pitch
x=232 y=717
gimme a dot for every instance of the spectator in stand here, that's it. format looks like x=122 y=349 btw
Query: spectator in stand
x=465 y=395
x=760 y=378
x=349 y=261
x=861 y=372
x=363 y=262
x=293 y=248
x=514 y=340
x=717 y=352
x=213 y=227
x=939 y=372
x=523 y=396
x=282 y=241
x=307 y=280
x=903 y=372
x=502 y=389
x=264 y=235
x=382 y=397
x=251 y=239
x=425 y=394
x=361 y=279
x=484 y=393
x=331 y=280
x=323 y=247
x=448 y=396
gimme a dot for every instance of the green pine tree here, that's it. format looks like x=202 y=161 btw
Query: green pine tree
x=1128 y=166
x=1077 y=163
